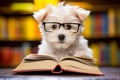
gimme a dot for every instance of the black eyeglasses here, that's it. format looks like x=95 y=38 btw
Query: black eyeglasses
x=52 y=26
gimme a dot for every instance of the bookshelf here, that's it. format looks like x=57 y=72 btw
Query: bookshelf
x=102 y=29
x=19 y=36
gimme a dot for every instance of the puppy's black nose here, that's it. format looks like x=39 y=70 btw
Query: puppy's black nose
x=61 y=37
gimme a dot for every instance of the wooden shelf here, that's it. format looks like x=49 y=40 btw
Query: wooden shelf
x=4 y=12
x=37 y=42
x=97 y=2
x=9 y=2
x=18 y=43
x=103 y=39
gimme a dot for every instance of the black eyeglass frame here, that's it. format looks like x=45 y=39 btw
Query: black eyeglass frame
x=43 y=23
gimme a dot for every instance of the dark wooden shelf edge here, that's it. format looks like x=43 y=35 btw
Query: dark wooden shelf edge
x=17 y=13
x=37 y=42
x=19 y=43
x=105 y=40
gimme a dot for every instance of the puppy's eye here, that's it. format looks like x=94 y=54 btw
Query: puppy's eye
x=68 y=27
x=54 y=27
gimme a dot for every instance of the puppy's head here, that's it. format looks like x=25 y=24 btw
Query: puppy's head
x=61 y=26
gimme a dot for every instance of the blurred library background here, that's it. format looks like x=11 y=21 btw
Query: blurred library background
x=20 y=35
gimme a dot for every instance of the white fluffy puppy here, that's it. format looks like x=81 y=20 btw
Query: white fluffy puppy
x=61 y=29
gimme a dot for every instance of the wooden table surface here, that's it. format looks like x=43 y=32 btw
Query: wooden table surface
x=111 y=73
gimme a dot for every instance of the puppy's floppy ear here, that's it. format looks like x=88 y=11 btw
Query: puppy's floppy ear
x=40 y=15
x=82 y=13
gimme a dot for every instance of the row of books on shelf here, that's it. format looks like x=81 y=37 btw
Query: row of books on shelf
x=103 y=24
x=19 y=28
x=25 y=28
x=107 y=54
x=12 y=56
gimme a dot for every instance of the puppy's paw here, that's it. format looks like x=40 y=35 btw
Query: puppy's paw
x=83 y=54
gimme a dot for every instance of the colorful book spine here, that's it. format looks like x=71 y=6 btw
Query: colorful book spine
x=118 y=57
x=29 y=29
x=92 y=24
x=17 y=29
x=118 y=22
x=5 y=56
x=96 y=53
x=102 y=53
x=11 y=29
x=111 y=23
x=0 y=57
x=16 y=57
x=1 y=27
x=4 y=30
x=113 y=53
x=104 y=24
x=87 y=27
x=22 y=28
x=38 y=33
x=98 y=24
x=107 y=55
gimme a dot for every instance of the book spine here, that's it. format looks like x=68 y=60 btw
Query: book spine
x=1 y=27
x=5 y=29
x=104 y=24
x=96 y=52
x=16 y=57
x=5 y=56
x=87 y=31
x=107 y=54
x=118 y=57
x=98 y=24
x=38 y=33
x=17 y=29
x=11 y=29
x=29 y=29
x=118 y=22
x=22 y=28
x=92 y=24
x=0 y=57
x=102 y=53
x=113 y=53
x=111 y=22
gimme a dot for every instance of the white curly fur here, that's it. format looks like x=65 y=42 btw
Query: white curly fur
x=75 y=44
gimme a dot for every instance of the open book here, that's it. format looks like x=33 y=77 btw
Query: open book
x=38 y=63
